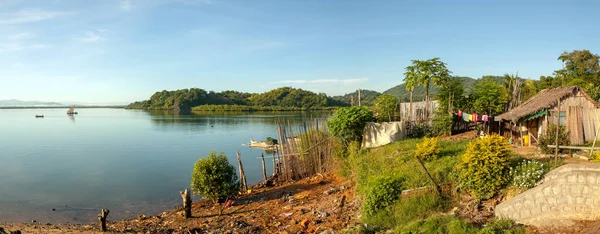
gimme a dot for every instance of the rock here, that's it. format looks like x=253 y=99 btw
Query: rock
x=33 y=221
x=343 y=188
x=53 y=209
x=286 y=214
x=304 y=210
x=318 y=221
x=293 y=222
x=323 y=214
x=142 y=217
x=330 y=191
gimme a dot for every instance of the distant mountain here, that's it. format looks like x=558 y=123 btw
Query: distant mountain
x=15 y=102
x=367 y=97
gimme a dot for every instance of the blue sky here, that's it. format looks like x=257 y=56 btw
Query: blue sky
x=124 y=50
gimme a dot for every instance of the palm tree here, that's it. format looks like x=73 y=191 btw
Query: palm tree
x=425 y=73
x=410 y=80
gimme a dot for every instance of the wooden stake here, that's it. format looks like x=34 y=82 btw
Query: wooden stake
x=187 y=203
x=102 y=218
x=264 y=167
x=358 y=97
x=243 y=183
x=437 y=188
x=556 y=139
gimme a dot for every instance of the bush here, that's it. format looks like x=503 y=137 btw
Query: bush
x=428 y=149
x=214 y=178
x=419 y=130
x=503 y=226
x=438 y=224
x=385 y=108
x=550 y=137
x=348 y=123
x=596 y=157
x=385 y=190
x=271 y=141
x=527 y=173
x=484 y=166
x=441 y=124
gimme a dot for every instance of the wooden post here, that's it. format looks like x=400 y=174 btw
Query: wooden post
x=596 y=137
x=352 y=100
x=264 y=167
x=437 y=188
x=187 y=203
x=282 y=144
x=243 y=182
x=102 y=218
x=358 y=97
x=556 y=137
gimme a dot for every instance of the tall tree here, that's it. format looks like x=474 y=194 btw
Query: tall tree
x=451 y=94
x=426 y=73
x=582 y=68
x=512 y=84
x=489 y=97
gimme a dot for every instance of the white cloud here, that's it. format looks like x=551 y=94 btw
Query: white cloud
x=22 y=36
x=125 y=5
x=323 y=81
x=19 y=47
x=92 y=37
x=28 y=16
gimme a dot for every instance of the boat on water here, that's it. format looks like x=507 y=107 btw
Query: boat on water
x=71 y=111
x=39 y=116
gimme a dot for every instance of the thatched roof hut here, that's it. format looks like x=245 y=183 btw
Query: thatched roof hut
x=544 y=100
x=578 y=112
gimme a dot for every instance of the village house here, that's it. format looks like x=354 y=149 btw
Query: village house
x=578 y=113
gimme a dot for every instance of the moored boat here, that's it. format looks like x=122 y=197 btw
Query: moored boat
x=71 y=111
x=39 y=116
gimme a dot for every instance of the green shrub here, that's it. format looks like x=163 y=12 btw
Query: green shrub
x=385 y=108
x=271 y=141
x=438 y=224
x=214 y=178
x=503 y=226
x=348 y=123
x=385 y=190
x=441 y=124
x=550 y=138
x=428 y=149
x=419 y=130
x=527 y=173
x=484 y=166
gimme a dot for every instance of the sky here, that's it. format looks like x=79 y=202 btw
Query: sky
x=119 y=51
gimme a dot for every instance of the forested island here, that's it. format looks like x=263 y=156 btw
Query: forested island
x=280 y=99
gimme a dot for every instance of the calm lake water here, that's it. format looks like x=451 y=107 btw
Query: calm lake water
x=129 y=161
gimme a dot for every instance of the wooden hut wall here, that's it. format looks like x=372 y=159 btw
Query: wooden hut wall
x=418 y=110
x=582 y=118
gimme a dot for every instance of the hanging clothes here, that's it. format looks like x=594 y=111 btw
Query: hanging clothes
x=479 y=118
x=470 y=117
x=459 y=113
x=465 y=117
x=485 y=118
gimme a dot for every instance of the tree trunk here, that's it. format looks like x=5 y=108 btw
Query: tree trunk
x=410 y=113
x=427 y=101
x=187 y=203
x=102 y=219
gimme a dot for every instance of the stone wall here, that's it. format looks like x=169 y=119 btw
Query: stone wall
x=570 y=192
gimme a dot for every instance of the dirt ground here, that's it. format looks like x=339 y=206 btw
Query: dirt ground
x=310 y=205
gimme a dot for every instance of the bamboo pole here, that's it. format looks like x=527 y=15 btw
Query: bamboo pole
x=437 y=188
x=187 y=203
x=282 y=144
x=556 y=137
x=264 y=167
x=102 y=219
x=243 y=182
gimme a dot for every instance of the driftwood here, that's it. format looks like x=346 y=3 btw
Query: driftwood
x=187 y=203
x=102 y=218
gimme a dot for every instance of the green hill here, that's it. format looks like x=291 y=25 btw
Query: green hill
x=367 y=97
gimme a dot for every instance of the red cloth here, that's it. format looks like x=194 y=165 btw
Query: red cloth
x=459 y=113
x=474 y=117
x=485 y=118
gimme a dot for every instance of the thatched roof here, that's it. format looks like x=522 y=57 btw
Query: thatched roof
x=543 y=100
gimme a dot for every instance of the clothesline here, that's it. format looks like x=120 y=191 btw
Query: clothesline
x=474 y=117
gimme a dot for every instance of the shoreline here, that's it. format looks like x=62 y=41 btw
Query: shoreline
x=309 y=204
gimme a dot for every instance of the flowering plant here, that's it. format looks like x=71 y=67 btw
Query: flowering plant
x=527 y=173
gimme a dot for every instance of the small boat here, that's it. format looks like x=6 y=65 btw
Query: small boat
x=71 y=111
x=39 y=116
